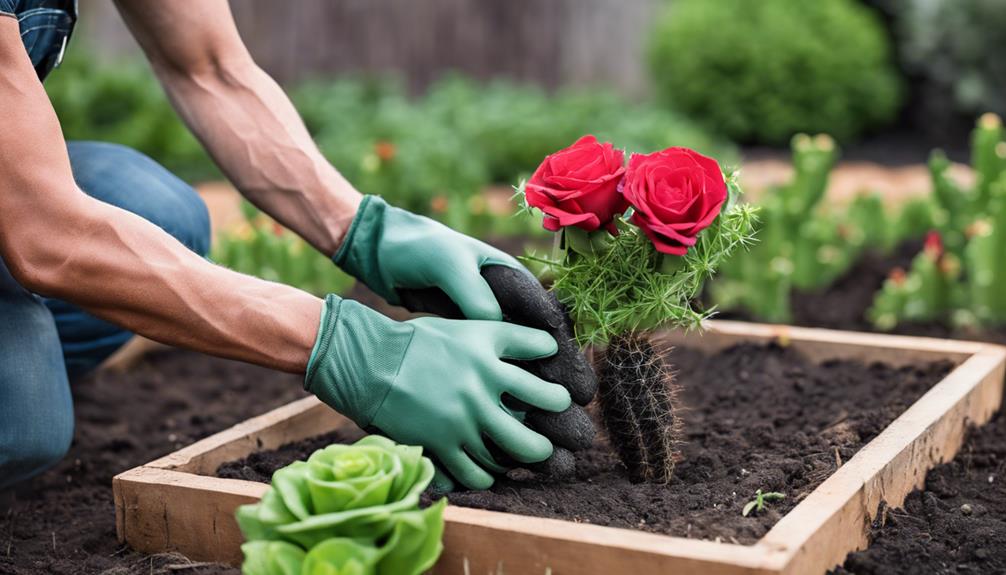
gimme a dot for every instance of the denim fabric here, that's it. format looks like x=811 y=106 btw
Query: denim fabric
x=43 y=341
x=46 y=26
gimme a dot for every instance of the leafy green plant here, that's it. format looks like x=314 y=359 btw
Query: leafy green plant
x=347 y=510
x=764 y=71
x=757 y=505
x=124 y=104
x=262 y=248
x=437 y=154
x=946 y=44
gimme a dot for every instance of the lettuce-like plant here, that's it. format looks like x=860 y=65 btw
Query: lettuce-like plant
x=347 y=510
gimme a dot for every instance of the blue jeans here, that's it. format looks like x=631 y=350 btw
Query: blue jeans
x=45 y=342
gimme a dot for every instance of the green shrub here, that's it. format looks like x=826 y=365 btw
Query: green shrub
x=955 y=47
x=435 y=155
x=262 y=248
x=761 y=71
x=123 y=103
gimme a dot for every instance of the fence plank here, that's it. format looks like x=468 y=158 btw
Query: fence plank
x=548 y=42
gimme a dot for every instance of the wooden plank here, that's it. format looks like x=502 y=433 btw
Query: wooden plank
x=159 y=510
x=824 y=344
x=167 y=506
x=478 y=541
x=292 y=422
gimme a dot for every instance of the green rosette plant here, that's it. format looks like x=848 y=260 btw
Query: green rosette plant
x=634 y=245
x=347 y=510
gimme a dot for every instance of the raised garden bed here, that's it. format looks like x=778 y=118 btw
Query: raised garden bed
x=175 y=503
x=956 y=523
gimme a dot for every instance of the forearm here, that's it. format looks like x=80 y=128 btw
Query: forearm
x=122 y=268
x=257 y=138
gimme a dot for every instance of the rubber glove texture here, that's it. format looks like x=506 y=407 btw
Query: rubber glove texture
x=388 y=249
x=434 y=382
x=524 y=301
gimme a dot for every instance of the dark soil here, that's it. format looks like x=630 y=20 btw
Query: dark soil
x=756 y=417
x=261 y=465
x=956 y=524
x=63 y=521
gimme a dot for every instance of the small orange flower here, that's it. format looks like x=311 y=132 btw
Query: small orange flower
x=385 y=150
x=438 y=204
x=897 y=276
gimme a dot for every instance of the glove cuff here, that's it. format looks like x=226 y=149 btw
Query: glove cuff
x=359 y=253
x=356 y=358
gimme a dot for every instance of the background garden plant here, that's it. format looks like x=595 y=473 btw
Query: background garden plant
x=633 y=246
x=347 y=510
x=261 y=247
x=960 y=276
x=764 y=71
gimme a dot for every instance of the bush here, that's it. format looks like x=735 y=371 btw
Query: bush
x=123 y=103
x=952 y=47
x=763 y=71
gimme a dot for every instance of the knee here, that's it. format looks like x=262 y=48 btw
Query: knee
x=126 y=178
x=34 y=448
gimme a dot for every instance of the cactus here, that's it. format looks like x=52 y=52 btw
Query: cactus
x=868 y=223
x=985 y=258
x=972 y=226
x=928 y=292
x=638 y=404
x=798 y=246
x=917 y=216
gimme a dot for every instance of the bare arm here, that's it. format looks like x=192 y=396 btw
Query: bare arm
x=242 y=116
x=58 y=241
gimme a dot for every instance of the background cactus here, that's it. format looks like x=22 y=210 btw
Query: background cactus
x=798 y=245
x=926 y=293
x=971 y=223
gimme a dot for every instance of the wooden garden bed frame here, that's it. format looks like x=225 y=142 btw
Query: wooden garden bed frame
x=176 y=504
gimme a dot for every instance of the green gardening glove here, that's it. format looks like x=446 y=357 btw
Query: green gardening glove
x=435 y=382
x=388 y=248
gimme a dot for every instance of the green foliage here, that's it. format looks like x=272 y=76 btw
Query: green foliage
x=262 y=248
x=618 y=285
x=764 y=71
x=124 y=104
x=972 y=225
x=757 y=505
x=436 y=155
x=950 y=44
x=347 y=510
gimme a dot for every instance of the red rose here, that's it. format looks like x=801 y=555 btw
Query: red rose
x=578 y=186
x=676 y=194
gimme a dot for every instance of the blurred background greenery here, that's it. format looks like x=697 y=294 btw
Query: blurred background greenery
x=441 y=107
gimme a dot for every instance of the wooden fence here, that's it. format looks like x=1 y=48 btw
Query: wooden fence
x=549 y=42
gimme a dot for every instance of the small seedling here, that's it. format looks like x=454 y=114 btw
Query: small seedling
x=758 y=503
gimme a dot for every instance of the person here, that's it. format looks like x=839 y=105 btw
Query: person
x=98 y=242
